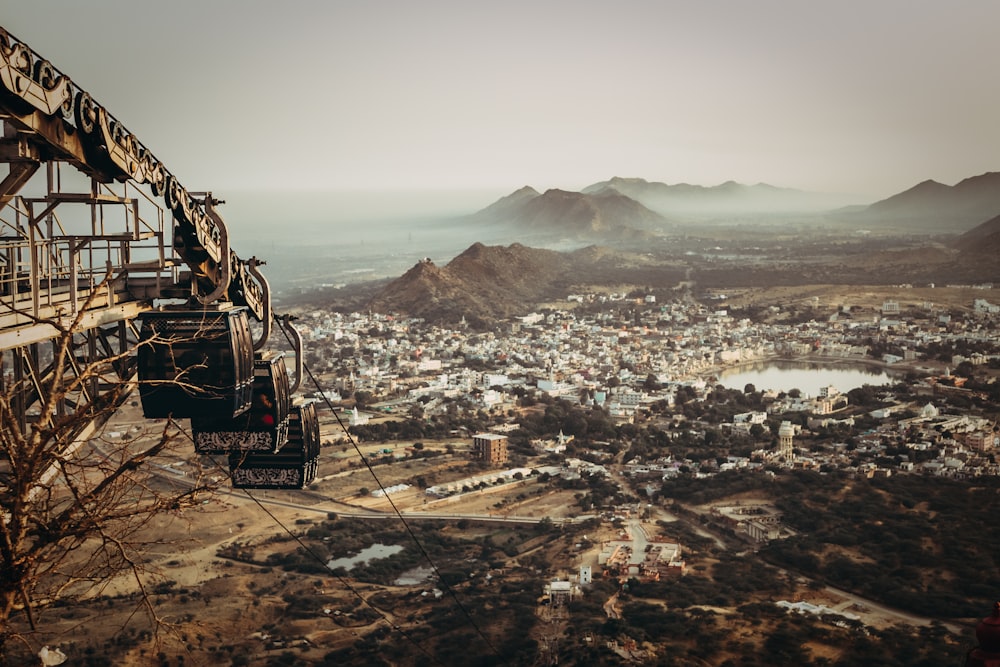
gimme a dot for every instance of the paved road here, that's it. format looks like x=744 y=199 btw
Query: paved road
x=864 y=607
x=346 y=510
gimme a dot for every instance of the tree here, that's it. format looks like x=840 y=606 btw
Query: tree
x=363 y=398
x=76 y=502
x=545 y=525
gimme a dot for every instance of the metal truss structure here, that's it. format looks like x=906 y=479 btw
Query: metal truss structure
x=93 y=230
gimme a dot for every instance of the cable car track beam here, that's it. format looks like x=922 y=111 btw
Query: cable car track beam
x=42 y=103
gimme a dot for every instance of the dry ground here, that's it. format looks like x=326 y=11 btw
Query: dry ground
x=213 y=608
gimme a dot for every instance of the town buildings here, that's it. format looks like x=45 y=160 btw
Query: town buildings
x=651 y=366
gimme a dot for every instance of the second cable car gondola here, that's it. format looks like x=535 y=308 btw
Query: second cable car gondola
x=262 y=428
x=292 y=467
x=194 y=363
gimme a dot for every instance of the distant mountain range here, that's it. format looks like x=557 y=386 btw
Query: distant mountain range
x=728 y=199
x=623 y=209
x=487 y=283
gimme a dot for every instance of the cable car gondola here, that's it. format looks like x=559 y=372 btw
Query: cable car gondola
x=262 y=428
x=292 y=467
x=195 y=363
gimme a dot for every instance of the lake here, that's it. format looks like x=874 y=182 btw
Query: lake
x=807 y=378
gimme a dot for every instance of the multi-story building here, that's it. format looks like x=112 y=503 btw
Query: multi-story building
x=490 y=447
x=982 y=440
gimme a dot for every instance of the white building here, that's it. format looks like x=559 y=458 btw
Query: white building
x=750 y=418
x=358 y=419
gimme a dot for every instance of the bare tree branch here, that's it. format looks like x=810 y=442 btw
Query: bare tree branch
x=75 y=511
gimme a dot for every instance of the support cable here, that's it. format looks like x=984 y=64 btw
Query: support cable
x=315 y=556
x=409 y=530
x=342 y=580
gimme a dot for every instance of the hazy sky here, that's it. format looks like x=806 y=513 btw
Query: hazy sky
x=858 y=96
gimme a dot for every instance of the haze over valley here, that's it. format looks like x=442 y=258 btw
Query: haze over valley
x=725 y=235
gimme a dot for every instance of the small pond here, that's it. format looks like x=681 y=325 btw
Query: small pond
x=414 y=577
x=365 y=555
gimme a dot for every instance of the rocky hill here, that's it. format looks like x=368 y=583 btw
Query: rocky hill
x=982 y=240
x=508 y=208
x=481 y=284
x=932 y=207
x=487 y=283
x=593 y=217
